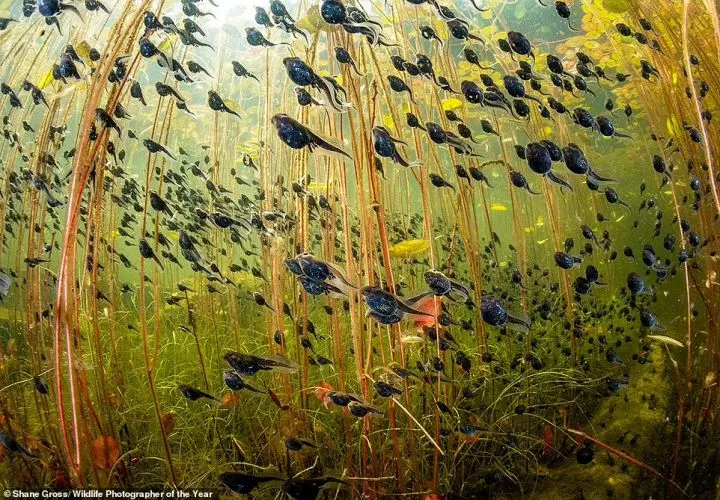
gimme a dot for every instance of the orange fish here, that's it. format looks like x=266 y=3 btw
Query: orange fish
x=105 y=452
x=322 y=391
x=230 y=399
x=548 y=439
x=427 y=306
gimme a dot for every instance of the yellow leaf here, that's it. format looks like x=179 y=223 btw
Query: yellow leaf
x=83 y=50
x=313 y=22
x=320 y=186
x=408 y=248
x=166 y=45
x=673 y=126
x=339 y=79
x=542 y=242
x=616 y=6
x=231 y=104
x=498 y=207
x=451 y=104
x=46 y=80
x=389 y=122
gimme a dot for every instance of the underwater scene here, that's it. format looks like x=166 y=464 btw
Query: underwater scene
x=423 y=249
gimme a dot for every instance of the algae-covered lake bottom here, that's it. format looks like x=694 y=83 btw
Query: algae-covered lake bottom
x=433 y=249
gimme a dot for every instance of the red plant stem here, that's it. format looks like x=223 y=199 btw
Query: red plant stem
x=627 y=457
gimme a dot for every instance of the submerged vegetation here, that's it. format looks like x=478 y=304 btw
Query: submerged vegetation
x=421 y=248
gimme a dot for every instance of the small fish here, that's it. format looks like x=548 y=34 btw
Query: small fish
x=217 y=104
x=235 y=382
x=106 y=121
x=442 y=286
x=33 y=262
x=256 y=39
x=385 y=146
x=296 y=444
x=242 y=72
x=165 y=90
x=439 y=181
x=40 y=386
x=495 y=314
x=12 y=445
x=361 y=410
x=155 y=147
x=147 y=252
x=386 y=390
x=260 y=300
x=195 y=67
x=242 y=483
x=298 y=136
x=386 y=308
x=247 y=364
x=193 y=394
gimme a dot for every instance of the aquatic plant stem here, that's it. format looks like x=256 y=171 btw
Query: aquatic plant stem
x=191 y=320
x=703 y=129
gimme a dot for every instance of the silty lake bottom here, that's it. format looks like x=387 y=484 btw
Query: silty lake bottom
x=427 y=249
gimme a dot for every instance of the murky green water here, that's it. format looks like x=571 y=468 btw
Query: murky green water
x=361 y=249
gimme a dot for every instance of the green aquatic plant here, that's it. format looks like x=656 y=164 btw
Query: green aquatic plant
x=354 y=285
